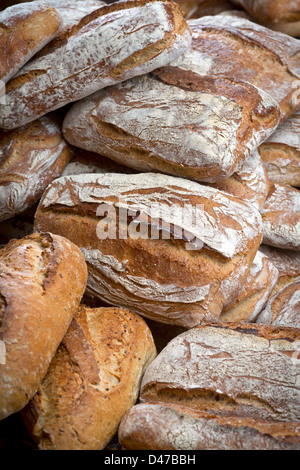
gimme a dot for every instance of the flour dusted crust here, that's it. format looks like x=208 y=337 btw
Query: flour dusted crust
x=92 y=382
x=255 y=293
x=248 y=371
x=30 y=158
x=281 y=152
x=166 y=426
x=72 y=11
x=203 y=244
x=43 y=278
x=271 y=11
x=281 y=217
x=112 y=44
x=283 y=309
x=25 y=29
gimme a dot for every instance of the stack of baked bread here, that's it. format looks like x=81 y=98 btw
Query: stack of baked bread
x=150 y=224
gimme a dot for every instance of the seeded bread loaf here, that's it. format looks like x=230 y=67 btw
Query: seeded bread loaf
x=165 y=426
x=112 y=44
x=25 y=29
x=229 y=369
x=31 y=157
x=167 y=248
x=42 y=281
x=92 y=382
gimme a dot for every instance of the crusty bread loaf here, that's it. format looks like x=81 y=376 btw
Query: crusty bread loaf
x=281 y=217
x=255 y=293
x=72 y=11
x=281 y=152
x=283 y=309
x=250 y=182
x=271 y=11
x=178 y=120
x=164 y=426
x=229 y=369
x=167 y=248
x=43 y=278
x=112 y=44
x=92 y=382
x=30 y=158
x=287 y=263
x=25 y=30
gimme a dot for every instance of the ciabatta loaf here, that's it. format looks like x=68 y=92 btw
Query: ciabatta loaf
x=42 y=280
x=165 y=426
x=25 y=29
x=283 y=309
x=31 y=157
x=92 y=382
x=228 y=369
x=112 y=44
x=167 y=248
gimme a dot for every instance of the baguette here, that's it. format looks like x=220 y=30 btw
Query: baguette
x=165 y=426
x=31 y=157
x=229 y=369
x=42 y=281
x=25 y=29
x=166 y=248
x=112 y=44
x=92 y=381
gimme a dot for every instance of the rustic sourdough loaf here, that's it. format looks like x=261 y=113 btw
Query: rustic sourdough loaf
x=30 y=158
x=42 y=281
x=112 y=44
x=283 y=309
x=281 y=152
x=169 y=249
x=287 y=263
x=165 y=426
x=229 y=369
x=25 y=29
x=281 y=217
x=255 y=293
x=92 y=382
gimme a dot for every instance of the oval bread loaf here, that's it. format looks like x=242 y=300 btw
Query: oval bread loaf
x=112 y=44
x=167 y=248
x=229 y=369
x=31 y=157
x=92 y=382
x=25 y=29
x=42 y=280
x=165 y=426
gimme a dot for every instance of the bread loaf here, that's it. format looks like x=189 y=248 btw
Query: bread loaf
x=72 y=11
x=42 y=281
x=287 y=263
x=112 y=44
x=283 y=309
x=281 y=217
x=167 y=248
x=92 y=381
x=228 y=369
x=255 y=293
x=178 y=120
x=271 y=11
x=25 y=30
x=250 y=182
x=164 y=426
x=281 y=152
x=30 y=158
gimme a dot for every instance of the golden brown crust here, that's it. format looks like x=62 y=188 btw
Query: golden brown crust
x=92 y=381
x=43 y=278
x=271 y=11
x=31 y=157
x=24 y=30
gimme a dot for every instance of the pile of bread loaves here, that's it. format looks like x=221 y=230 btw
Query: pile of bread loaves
x=150 y=223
